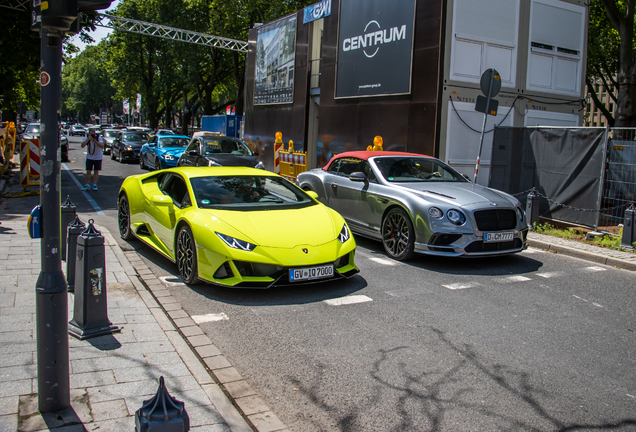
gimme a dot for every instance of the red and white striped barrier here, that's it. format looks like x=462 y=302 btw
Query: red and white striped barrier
x=24 y=164
x=277 y=147
x=34 y=157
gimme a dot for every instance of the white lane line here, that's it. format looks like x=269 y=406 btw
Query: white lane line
x=516 y=279
x=548 y=275
x=88 y=197
x=587 y=301
x=458 y=286
x=383 y=261
x=594 y=269
x=347 y=300
x=200 y=319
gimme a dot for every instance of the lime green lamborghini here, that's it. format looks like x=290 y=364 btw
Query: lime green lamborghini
x=236 y=227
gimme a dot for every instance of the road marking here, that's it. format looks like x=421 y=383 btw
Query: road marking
x=347 y=300
x=594 y=269
x=516 y=279
x=88 y=197
x=383 y=261
x=587 y=301
x=548 y=275
x=458 y=286
x=200 y=319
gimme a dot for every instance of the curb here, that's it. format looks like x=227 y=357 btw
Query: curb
x=237 y=402
x=588 y=256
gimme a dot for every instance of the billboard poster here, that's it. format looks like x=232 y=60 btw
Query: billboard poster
x=375 y=48
x=275 y=58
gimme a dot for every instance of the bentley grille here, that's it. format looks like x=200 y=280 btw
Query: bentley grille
x=495 y=220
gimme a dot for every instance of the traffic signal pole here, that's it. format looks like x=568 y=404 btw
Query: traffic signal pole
x=51 y=300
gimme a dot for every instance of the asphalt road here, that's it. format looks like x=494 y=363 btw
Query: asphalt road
x=535 y=341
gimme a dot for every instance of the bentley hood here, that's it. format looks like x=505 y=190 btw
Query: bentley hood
x=278 y=228
x=462 y=194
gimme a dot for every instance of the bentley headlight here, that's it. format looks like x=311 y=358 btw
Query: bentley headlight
x=344 y=234
x=169 y=157
x=521 y=214
x=436 y=213
x=236 y=243
x=212 y=163
x=260 y=165
x=456 y=217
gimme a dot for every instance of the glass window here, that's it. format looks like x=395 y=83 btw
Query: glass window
x=414 y=169
x=350 y=165
x=333 y=168
x=172 y=142
x=110 y=134
x=225 y=146
x=33 y=129
x=248 y=193
x=175 y=187
x=136 y=137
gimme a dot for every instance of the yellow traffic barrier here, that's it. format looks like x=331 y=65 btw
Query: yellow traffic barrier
x=292 y=162
x=377 y=144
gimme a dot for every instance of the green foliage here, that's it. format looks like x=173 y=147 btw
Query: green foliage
x=606 y=241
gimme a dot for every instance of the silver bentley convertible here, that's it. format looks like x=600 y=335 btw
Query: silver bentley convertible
x=418 y=204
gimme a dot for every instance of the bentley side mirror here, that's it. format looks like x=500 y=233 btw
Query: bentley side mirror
x=358 y=176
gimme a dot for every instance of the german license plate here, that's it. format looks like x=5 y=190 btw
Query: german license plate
x=311 y=273
x=498 y=237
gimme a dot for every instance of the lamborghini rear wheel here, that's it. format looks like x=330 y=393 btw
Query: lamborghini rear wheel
x=123 y=218
x=186 y=256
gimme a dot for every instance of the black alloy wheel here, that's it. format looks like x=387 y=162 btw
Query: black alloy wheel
x=123 y=218
x=398 y=235
x=186 y=256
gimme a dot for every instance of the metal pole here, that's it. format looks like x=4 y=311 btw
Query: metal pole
x=483 y=128
x=601 y=186
x=51 y=300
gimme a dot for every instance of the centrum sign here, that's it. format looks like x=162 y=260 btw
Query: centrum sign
x=374 y=39
x=375 y=48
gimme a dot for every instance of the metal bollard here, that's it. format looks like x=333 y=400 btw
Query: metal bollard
x=74 y=229
x=162 y=413
x=629 y=235
x=90 y=313
x=532 y=208
x=68 y=215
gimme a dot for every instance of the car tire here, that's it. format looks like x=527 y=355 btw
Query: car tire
x=157 y=165
x=142 y=165
x=186 y=256
x=123 y=218
x=398 y=235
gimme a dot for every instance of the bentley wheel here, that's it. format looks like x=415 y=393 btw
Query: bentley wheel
x=186 y=256
x=123 y=218
x=398 y=236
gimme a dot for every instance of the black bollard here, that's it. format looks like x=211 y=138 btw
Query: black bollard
x=162 y=413
x=629 y=236
x=90 y=313
x=74 y=229
x=532 y=208
x=68 y=215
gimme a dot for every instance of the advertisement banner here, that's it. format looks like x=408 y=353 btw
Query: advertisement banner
x=275 y=55
x=126 y=107
x=375 y=48
x=317 y=11
x=138 y=102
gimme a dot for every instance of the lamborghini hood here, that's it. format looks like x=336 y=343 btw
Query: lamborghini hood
x=311 y=226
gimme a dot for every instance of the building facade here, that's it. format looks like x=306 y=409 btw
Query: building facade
x=410 y=72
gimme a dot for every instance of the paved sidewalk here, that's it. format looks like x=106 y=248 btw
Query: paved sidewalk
x=110 y=376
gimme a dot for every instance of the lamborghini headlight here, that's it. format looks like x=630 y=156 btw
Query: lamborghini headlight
x=344 y=234
x=236 y=243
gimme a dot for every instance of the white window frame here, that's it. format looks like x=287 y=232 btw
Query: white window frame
x=555 y=54
x=485 y=43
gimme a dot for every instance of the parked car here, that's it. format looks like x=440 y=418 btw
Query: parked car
x=418 y=204
x=63 y=147
x=109 y=136
x=236 y=227
x=127 y=145
x=78 y=130
x=162 y=151
x=162 y=132
x=210 y=149
x=32 y=130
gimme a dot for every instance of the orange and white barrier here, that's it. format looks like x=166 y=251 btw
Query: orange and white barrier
x=292 y=162
x=29 y=162
x=278 y=144
x=34 y=157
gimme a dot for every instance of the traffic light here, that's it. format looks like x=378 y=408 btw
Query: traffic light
x=60 y=14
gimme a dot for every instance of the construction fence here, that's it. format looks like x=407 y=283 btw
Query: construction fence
x=584 y=176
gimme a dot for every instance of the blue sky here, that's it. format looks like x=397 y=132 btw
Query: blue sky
x=98 y=34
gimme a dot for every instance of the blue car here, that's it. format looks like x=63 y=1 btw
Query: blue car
x=162 y=151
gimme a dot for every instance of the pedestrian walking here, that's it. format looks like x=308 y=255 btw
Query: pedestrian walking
x=94 y=155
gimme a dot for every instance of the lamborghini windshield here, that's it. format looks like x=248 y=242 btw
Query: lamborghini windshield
x=416 y=169
x=248 y=193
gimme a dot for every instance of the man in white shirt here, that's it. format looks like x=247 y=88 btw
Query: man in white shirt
x=94 y=154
